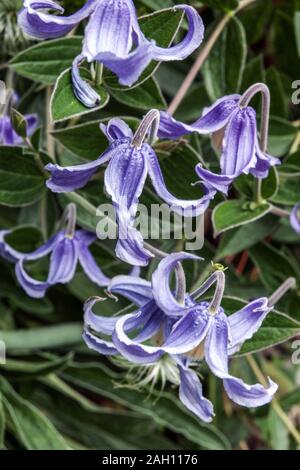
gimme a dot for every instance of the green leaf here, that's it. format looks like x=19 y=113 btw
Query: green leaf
x=30 y=426
x=162 y=27
x=41 y=365
x=239 y=239
x=45 y=61
x=281 y=136
x=86 y=139
x=230 y=214
x=2 y=422
x=291 y=166
x=19 y=123
x=223 y=69
x=167 y=412
x=276 y=328
x=65 y=105
x=145 y=96
x=288 y=191
x=255 y=19
x=274 y=267
x=21 y=182
x=24 y=238
x=297 y=30
x=46 y=337
x=278 y=433
x=270 y=185
x=279 y=103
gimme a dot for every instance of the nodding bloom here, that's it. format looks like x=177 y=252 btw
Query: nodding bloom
x=130 y=160
x=295 y=218
x=8 y=135
x=234 y=121
x=67 y=247
x=112 y=37
x=172 y=335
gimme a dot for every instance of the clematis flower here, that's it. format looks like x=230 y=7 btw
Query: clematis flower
x=112 y=37
x=295 y=218
x=235 y=121
x=130 y=160
x=8 y=135
x=172 y=336
x=67 y=247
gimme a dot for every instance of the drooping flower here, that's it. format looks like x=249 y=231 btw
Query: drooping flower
x=67 y=247
x=112 y=36
x=130 y=160
x=235 y=120
x=8 y=135
x=172 y=336
x=295 y=218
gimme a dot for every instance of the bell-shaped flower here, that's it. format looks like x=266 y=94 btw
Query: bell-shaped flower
x=130 y=160
x=172 y=335
x=112 y=37
x=67 y=247
x=241 y=152
x=8 y=135
x=295 y=218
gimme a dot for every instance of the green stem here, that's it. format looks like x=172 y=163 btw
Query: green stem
x=99 y=74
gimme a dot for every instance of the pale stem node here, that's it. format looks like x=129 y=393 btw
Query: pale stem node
x=149 y=122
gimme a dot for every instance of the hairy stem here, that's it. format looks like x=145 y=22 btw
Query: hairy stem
x=150 y=121
x=288 y=284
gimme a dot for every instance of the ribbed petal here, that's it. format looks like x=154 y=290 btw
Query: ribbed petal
x=135 y=289
x=35 y=22
x=217 y=182
x=189 y=331
x=184 y=207
x=295 y=218
x=110 y=29
x=82 y=89
x=69 y=178
x=131 y=349
x=130 y=248
x=6 y=251
x=100 y=324
x=161 y=283
x=8 y=134
x=213 y=118
x=191 y=41
x=244 y=323
x=63 y=262
x=125 y=177
x=116 y=129
x=99 y=345
x=216 y=355
x=238 y=154
x=90 y=266
x=32 y=287
x=191 y=395
x=264 y=162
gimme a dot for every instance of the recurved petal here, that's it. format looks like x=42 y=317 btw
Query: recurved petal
x=161 y=283
x=32 y=287
x=134 y=288
x=130 y=245
x=190 y=42
x=188 y=208
x=69 y=178
x=116 y=129
x=99 y=345
x=213 y=118
x=191 y=395
x=244 y=323
x=216 y=355
x=35 y=22
x=97 y=323
x=217 y=182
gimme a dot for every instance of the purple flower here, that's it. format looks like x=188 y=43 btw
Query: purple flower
x=8 y=135
x=129 y=163
x=170 y=337
x=67 y=247
x=295 y=218
x=241 y=151
x=112 y=37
